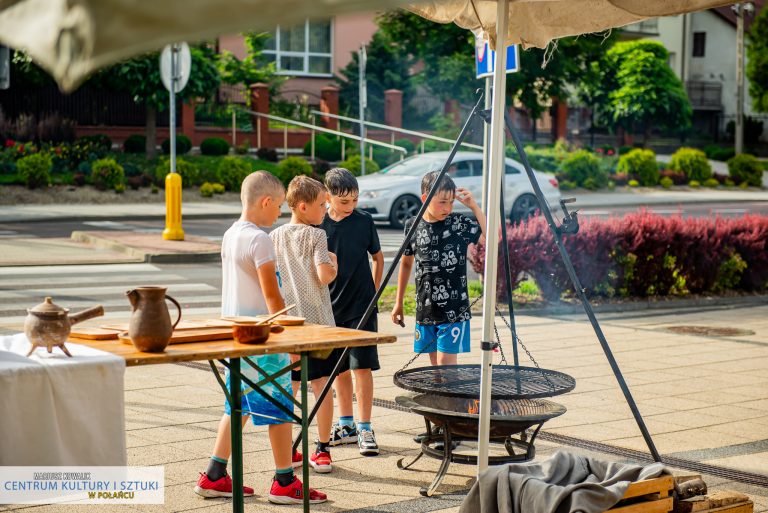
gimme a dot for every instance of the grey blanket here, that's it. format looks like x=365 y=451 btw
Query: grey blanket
x=565 y=483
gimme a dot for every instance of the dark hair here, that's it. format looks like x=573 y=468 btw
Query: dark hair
x=446 y=184
x=341 y=182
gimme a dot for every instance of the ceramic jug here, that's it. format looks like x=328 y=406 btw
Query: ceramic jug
x=150 y=326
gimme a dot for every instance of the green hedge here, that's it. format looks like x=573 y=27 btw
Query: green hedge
x=693 y=163
x=35 y=170
x=641 y=164
x=746 y=168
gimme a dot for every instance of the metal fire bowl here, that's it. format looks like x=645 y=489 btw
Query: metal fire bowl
x=509 y=381
x=508 y=417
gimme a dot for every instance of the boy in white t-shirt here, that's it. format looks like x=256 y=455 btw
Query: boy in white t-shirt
x=250 y=287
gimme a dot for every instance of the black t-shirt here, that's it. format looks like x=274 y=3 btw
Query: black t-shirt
x=440 y=249
x=352 y=239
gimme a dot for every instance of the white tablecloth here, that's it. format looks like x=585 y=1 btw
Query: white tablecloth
x=56 y=410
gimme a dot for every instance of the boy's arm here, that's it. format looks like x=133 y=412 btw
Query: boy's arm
x=377 y=268
x=403 y=275
x=466 y=199
x=270 y=287
x=327 y=272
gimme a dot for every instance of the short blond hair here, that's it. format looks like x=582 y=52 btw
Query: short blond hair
x=303 y=189
x=259 y=184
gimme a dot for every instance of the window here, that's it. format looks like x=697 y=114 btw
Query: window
x=304 y=49
x=699 y=43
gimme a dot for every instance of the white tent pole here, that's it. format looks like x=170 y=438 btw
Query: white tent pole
x=496 y=168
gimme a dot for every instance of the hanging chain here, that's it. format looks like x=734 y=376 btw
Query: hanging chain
x=503 y=360
x=519 y=341
x=442 y=331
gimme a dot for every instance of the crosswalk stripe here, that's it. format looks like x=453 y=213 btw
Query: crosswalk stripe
x=212 y=312
x=130 y=282
x=95 y=291
x=38 y=270
x=111 y=302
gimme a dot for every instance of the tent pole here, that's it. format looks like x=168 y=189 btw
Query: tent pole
x=495 y=170
x=579 y=291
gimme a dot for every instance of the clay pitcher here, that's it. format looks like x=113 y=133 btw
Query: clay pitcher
x=150 y=326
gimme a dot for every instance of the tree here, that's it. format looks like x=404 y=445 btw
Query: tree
x=251 y=70
x=757 y=61
x=386 y=68
x=140 y=77
x=444 y=51
x=639 y=91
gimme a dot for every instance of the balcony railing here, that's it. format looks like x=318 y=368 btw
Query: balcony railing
x=705 y=95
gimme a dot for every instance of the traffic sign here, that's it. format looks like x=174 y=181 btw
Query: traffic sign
x=183 y=62
x=485 y=59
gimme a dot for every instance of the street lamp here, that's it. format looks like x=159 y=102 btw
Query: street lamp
x=740 y=10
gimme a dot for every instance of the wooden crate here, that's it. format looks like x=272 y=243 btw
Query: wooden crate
x=724 y=501
x=648 y=496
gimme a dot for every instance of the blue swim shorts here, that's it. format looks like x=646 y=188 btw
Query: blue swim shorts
x=446 y=338
x=261 y=410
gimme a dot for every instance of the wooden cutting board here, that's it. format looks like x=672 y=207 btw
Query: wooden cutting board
x=202 y=324
x=283 y=320
x=94 y=333
x=190 y=335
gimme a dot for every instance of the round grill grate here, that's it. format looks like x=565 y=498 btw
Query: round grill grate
x=509 y=382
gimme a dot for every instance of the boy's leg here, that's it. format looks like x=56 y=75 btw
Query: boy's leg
x=447 y=358
x=344 y=431
x=452 y=340
x=286 y=488
x=321 y=458
x=215 y=482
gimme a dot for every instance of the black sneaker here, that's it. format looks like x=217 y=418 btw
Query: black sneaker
x=366 y=440
x=343 y=435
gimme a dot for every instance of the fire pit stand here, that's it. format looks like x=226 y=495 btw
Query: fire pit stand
x=457 y=419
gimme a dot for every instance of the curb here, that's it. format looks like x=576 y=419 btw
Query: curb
x=639 y=306
x=147 y=257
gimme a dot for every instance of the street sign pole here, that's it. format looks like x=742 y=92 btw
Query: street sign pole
x=362 y=104
x=175 y=65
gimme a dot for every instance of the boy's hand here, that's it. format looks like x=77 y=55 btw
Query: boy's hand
x=397 y=315
x=465 y=197
x=334 y=259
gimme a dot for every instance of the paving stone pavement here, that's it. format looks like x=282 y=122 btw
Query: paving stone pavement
x=703 y=397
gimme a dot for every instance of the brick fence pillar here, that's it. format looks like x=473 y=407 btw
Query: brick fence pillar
x=393 y=107
x=329 y=103
x=560 y=121
x=188 y=119
x=260 y=104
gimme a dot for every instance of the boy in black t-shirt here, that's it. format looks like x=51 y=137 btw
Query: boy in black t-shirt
x=352 y=237
x=439 y=249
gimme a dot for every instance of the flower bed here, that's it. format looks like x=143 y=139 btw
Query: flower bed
x=640 y=255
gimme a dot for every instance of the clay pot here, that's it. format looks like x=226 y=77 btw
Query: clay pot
x=48 y=325
x=150 y=326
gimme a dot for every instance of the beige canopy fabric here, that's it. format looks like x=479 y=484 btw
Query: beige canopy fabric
x=73 y=38
x=537 y=22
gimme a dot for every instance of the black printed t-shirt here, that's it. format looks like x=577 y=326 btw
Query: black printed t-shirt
x=440 y=251
x=352 y=239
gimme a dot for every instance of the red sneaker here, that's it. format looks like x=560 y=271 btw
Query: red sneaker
x=222 y=487
x=297 y=459
x=321 y=462
x=293 y=493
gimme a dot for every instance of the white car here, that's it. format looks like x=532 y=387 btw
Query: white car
x=394 y=193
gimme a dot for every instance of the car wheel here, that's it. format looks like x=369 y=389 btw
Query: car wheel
x=524 y=207
x=403 y=208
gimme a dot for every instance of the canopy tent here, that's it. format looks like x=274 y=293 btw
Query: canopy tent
x=73 y=38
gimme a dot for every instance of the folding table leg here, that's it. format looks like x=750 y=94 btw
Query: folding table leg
x=236 y=423
x=305 y=430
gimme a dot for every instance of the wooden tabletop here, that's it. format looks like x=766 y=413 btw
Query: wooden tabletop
x=295 y=339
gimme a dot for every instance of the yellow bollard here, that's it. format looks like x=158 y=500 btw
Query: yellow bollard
x=173 y=229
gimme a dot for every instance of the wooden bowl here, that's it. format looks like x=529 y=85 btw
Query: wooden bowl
x=250 y=332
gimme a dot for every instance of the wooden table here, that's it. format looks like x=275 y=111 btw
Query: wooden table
x=299 y=340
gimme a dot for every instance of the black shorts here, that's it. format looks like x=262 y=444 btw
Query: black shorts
x=358 y=357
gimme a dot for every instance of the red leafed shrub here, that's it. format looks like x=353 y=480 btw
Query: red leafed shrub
x=640 y=254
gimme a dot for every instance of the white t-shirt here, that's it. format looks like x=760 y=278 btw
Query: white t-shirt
x=244 y=248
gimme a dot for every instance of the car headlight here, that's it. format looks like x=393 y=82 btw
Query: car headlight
x=370 y=194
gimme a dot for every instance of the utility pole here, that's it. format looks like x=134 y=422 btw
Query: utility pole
x=363 y=103
x=740 y=10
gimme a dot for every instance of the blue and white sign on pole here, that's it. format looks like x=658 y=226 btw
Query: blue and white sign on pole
x=485 y=59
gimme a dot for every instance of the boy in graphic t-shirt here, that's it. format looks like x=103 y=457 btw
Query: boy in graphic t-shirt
x=439 y=249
